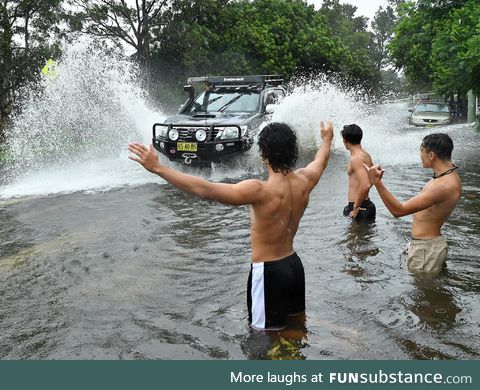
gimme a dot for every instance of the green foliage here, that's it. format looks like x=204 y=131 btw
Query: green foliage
x=287 y=37
x=382 y=25
x=456 y=50
x=28 y=36
x=438 y=43
x=412 y=43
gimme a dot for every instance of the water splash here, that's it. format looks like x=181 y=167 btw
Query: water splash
x=72 y=133
x=75 y=129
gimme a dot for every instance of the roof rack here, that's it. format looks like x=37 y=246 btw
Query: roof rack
x=237 y=81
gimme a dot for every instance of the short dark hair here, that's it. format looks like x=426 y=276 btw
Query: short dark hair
x=278 y=145
x=352 y=134
x=439 y=143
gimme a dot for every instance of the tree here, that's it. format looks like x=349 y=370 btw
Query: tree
x=437 y=43
x=411 y=45
x=287 y=37
x=456 y=50
x=353 y=33
x=118 y=21
x=28 y=32
x=382 y=26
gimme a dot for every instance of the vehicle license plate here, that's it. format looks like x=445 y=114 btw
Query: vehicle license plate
x=187 y=146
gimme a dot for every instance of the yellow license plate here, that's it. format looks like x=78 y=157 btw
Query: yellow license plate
x=187 y=146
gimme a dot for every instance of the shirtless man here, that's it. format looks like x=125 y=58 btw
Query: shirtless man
x=276 y=283
x=359 y=207
x=427 y=250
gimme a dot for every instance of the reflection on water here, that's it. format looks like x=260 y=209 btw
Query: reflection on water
x=285 y=344
x=359 y=246
x=433 y=303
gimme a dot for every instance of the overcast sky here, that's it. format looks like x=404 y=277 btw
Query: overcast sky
x=364 y=7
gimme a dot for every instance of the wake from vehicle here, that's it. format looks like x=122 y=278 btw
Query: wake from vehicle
x=73 y=131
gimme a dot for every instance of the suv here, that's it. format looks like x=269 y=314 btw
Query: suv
x=221 y=120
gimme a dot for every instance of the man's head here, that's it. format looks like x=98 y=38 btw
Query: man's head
x=436 y=146
x=352 y=134
x=278 y=147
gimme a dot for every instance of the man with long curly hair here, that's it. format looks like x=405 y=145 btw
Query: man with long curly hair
x=276 y=283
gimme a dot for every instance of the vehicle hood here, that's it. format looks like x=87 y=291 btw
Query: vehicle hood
x=212 y=118
x=430 y=115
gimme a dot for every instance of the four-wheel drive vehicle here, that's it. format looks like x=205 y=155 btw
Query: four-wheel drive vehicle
x=221 y=120
x=428 y=113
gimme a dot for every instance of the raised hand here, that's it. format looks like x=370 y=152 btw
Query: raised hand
x=326 y=133
x=375 y=173
x=147 y=157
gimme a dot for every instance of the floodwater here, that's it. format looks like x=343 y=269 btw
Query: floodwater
x=101 y=260
x=147 y=272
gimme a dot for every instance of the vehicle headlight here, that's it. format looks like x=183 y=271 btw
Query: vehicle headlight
x=228 y=133
x=201 y=135
x=173 y=134
x=162 y=132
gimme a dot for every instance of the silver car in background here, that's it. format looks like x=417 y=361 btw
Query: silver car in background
x=430 y=114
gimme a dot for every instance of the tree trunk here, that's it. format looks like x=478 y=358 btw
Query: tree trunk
x=145 y=44
x=27 y=36
x=5 y=67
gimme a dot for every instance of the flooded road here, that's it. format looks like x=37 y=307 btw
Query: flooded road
x=143 y=271
x=102 y=260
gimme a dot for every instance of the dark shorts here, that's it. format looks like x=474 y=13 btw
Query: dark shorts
x=275 y=290
x=363 y=215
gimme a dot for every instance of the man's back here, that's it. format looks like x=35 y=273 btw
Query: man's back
x=356 y=168
x=275 y=218
x=428 y=222
x=276 y=282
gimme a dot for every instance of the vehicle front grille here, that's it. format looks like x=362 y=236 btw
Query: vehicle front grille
x=188 y=134
x=430 y=120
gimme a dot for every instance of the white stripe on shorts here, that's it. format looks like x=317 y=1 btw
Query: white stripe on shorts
x=258 y=296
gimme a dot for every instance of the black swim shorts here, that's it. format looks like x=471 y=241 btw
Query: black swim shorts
x=275 y=290
x=363 y=215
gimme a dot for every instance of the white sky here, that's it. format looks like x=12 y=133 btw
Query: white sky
x=364 y=7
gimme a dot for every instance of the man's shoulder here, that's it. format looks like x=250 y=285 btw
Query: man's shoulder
x=302 y=175
x=357 y=161
x=448 y=187
x=253 y=183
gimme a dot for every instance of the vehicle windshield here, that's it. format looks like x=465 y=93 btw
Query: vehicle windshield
x=432 y=107
x=226 y=101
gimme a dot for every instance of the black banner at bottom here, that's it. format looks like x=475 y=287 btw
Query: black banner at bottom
x=213 y=375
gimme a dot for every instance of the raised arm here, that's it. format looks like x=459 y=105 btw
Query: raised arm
x=245 y=192
x=419 y=202
x=313 y=171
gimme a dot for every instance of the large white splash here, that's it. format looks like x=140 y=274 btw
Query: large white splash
x=387 y=135
x=72 y=133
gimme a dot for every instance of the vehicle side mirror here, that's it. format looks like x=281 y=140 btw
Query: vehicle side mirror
x=410 y=110
x=270 y=108
x=190 y=90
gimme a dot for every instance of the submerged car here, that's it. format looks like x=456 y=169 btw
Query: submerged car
x=221 y=120
x=428 y=114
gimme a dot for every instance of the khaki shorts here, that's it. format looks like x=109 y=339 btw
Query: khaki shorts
x=427 y=255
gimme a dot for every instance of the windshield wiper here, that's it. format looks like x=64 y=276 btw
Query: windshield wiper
x=221 y=109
